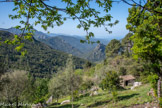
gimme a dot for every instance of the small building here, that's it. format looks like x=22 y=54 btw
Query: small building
x=127 y=80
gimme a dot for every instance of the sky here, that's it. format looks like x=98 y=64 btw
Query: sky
x=119 y=11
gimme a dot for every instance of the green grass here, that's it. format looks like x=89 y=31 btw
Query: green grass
x=104 y=99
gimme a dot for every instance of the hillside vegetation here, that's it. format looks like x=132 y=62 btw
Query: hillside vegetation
x=105 y=76
x=127 y=99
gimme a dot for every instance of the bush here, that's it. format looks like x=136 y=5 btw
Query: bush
x=79 y=72
x=87 y=85
x=153 y=79
x=111 y=82
x=76 y=95
x=41 y=100
x=122 y=71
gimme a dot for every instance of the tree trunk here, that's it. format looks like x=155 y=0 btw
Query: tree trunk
x=57 y=100
x=159 y=90
x=72 y=97
x=17 y=104
x=72 y=100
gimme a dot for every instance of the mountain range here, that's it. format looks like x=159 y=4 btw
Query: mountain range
x=41 y=60
x=37 y=34
x=70 y=44
x=97 y=54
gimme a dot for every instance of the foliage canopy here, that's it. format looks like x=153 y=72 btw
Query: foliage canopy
x=147 y=37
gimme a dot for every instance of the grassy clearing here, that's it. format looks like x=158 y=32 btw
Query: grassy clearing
x=104 y=99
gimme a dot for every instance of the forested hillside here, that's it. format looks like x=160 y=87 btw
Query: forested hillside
x=60 y=44
x=41 y=60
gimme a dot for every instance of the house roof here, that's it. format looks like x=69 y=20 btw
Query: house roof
x=127 y=77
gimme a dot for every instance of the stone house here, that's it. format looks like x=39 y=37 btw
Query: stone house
x=127 y=80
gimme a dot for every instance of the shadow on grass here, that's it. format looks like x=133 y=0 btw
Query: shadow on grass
x=54 y=104
x=64 y=106
x=127 y=96
x=98 y=103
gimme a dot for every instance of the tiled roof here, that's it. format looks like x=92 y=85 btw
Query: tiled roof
x=127 y=77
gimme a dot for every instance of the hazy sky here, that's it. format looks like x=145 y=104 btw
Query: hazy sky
x=119 y=12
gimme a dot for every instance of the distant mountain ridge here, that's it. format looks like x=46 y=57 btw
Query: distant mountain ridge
x=37 y=34
x=93 y=52
x=67 y=44
x=97 y=54
x=60 y=44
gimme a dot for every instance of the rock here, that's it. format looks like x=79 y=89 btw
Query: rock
x=136 y=84
x=81 y=104
x=49 y=100
x=151 y=92
x=94 y=88
x=65 y=102
x=33 y=106
x=132 y=87
x=95 y=93
x=39 y=105
x=91 y=94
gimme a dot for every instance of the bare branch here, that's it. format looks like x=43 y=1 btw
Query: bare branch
x=48 y=6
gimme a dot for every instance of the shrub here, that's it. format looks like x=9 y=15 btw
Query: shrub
x=122 y=71
x=153 y=79
x=160 y=101
x=111 y=82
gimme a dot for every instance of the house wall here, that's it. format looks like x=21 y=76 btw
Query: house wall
x=130 y=83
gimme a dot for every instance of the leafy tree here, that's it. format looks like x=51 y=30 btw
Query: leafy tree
x=153 y=79
x=111 y=82
x=86 y=85
x=29 y=91
x=88 y=64
x=65 y=82
x=36 y=90
x=2 y=66
x=57 y=86
x=145 y=24
x=14 y=84
x=122 y=71
x=79 y=72
x=113 y=48
x=72 y=80
x=41 y=90
x=127 y=39
x=127 y=44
